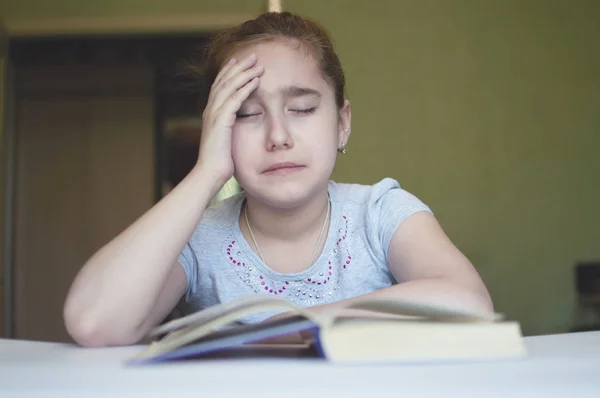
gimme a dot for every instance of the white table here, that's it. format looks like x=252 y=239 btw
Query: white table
x=565 y=365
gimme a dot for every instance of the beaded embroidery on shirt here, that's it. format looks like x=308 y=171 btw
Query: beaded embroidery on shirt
x=318 y=288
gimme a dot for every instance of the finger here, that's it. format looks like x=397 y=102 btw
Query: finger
x=228 y=71
x=219 y=76
x=235 y=101
x=238 y=67
x=234 y=84
x=224 y=70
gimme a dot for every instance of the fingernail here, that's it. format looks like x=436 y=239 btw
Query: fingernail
x=232 y=61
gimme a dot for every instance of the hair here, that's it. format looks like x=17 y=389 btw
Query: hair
x=301 y=32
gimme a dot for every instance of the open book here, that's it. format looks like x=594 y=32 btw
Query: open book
x=367 y=331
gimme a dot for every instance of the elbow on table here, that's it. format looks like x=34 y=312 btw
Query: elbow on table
x=471 y=295
x=88 y=330
x=486 y=302
x=482 y=298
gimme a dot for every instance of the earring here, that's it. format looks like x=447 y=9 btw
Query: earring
x=342 y=150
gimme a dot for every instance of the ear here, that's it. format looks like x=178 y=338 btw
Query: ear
x=344 y=122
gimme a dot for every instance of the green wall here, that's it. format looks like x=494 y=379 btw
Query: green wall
x=98 y=8
x=488 y=111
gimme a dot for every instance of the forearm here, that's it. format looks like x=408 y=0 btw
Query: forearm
x=436 y=291
x=120 y=283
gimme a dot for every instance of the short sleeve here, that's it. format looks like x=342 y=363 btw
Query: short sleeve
x=189 y=262
x=389 y=205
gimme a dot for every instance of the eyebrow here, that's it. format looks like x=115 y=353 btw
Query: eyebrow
x=294 y=92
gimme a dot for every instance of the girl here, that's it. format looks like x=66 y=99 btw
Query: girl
x=275 y=118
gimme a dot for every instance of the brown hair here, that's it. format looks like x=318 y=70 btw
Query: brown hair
x=306 y=34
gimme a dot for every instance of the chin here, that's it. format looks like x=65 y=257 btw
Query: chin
x=284 y=194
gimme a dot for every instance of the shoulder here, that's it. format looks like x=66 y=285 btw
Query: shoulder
x=220 y=216
x=214 y=228
x=383 y=193
x=381 y=207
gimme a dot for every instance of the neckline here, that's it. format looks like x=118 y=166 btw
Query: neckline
x=321 y=259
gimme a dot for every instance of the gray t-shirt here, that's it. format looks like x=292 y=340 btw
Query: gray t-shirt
x=221 y=265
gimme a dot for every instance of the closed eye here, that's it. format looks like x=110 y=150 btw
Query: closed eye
x=245 y=115
x=305 y=111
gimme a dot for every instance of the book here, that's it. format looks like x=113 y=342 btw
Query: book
x=365 y=331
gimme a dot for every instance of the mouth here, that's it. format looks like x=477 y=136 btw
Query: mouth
x=283 y=168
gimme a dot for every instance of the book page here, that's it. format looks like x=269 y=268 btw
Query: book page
x=195 y=326
x=415 y=309
x=185 y=330
x=260 y=334
x=241 y=306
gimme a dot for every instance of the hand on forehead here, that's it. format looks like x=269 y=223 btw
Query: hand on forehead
x=290 y=70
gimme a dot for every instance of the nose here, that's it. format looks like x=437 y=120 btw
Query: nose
x=278 y=135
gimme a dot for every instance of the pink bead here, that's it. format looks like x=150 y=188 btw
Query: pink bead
x=287 y=283
x=270 y=290
x=328 y=277
x=309 y=279
x=319 y=283
x=325 y=281
x=261 y=277
x=347 y=261
x=284 y=288
x=232 y=242
x=330 y=273
x=280 y=291
x=262 y=283
x=344 y=265
x=231 y=258
x=266 y=287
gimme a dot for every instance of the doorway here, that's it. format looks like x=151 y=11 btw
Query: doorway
x=104 y=127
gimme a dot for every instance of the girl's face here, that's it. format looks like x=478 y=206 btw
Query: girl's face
x=287 y=133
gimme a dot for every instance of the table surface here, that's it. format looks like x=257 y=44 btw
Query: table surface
x=562 y=365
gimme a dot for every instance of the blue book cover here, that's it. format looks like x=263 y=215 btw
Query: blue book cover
x=234 y=340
